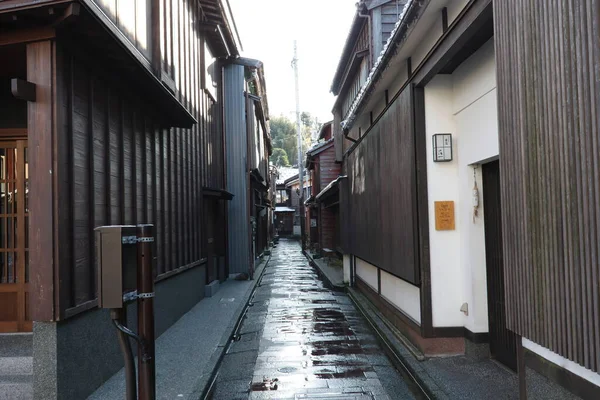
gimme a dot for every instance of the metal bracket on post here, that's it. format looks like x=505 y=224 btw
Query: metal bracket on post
x=145 y=300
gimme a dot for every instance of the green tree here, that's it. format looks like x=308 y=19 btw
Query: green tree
x=283 y=135
x=280 y=157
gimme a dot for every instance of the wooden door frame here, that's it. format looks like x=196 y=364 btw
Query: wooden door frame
x=508 y=360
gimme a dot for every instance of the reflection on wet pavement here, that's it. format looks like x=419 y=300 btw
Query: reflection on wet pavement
x=308 y=342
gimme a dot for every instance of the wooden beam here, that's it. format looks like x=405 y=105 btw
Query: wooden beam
x=71 y=13
x=22 y=89
x=27 y=36
x=444 y=19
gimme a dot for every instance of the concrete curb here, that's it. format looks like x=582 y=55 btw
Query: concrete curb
x=324 y=274
x=205 y=384
x=399 y=354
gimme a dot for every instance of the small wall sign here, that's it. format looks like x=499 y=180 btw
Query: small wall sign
x=444 y=215
x=442 y=147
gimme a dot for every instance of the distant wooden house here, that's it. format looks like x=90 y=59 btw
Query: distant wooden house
x=323 y=210
x=111 y=113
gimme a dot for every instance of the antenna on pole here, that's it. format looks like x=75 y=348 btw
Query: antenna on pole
x=299 y=134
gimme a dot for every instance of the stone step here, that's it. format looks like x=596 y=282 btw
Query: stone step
x=16 y=345
x=16 y=378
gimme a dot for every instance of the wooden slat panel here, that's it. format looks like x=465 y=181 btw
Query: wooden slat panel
x=82 y=185
x=548 y=58
x=382 y=179
x=115 y=166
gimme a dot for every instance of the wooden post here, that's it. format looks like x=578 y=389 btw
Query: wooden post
x=146 y=362
x=40 y=72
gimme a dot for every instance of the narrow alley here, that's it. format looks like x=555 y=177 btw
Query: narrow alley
x=300 y=340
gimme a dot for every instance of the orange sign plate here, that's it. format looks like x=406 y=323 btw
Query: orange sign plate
x=444 y=215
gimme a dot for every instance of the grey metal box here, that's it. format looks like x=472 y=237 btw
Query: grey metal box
x=116 y=263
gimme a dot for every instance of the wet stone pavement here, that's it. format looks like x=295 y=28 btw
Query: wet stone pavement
x=300 y=340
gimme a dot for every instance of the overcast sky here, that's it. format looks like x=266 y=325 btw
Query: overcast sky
x=268 y=29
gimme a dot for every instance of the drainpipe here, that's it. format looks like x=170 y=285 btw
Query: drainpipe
x=369 y=27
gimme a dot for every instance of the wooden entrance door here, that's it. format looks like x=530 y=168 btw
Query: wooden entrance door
x=503 y=344
x=14 y=237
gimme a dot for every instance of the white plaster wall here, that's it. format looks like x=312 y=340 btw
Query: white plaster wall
x=402 y=294
x=475 y=110
x=367 y=272
x=442 y=184
x=454 y=7
x=569 y=365
x=426 y=42
x=463 y=104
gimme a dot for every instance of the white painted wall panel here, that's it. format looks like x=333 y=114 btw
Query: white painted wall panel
x=402 y=294
x=569 y=365
x=475 y=77
x=367 y=272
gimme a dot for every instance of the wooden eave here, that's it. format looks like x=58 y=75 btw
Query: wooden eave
x=220 y=194
x=92 y=33
x=355 y=29
x=221 y=36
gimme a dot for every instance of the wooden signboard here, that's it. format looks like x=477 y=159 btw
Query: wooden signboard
x=444 y=215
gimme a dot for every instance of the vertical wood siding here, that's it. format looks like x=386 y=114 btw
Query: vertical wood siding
x=329 y=170
x=382 y=225
x=117 y=164
x=132 y=17
x=548 y=57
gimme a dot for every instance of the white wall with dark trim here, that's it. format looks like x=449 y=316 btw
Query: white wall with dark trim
x=463 y=104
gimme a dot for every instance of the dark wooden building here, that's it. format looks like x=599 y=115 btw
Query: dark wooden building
x=323 y=210
x=115 y=117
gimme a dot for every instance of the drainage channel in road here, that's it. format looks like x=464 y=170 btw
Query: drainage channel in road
x=300 y=340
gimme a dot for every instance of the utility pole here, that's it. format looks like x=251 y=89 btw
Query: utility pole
x=299 y=134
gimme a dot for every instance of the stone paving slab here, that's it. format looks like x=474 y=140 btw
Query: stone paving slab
x=311 y=342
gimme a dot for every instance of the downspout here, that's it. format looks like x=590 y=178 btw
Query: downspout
x=369 y=27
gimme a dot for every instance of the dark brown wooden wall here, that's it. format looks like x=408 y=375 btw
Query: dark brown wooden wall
x=381 y=221
x=548 y=63
x=118 y=165
x=329 y=170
